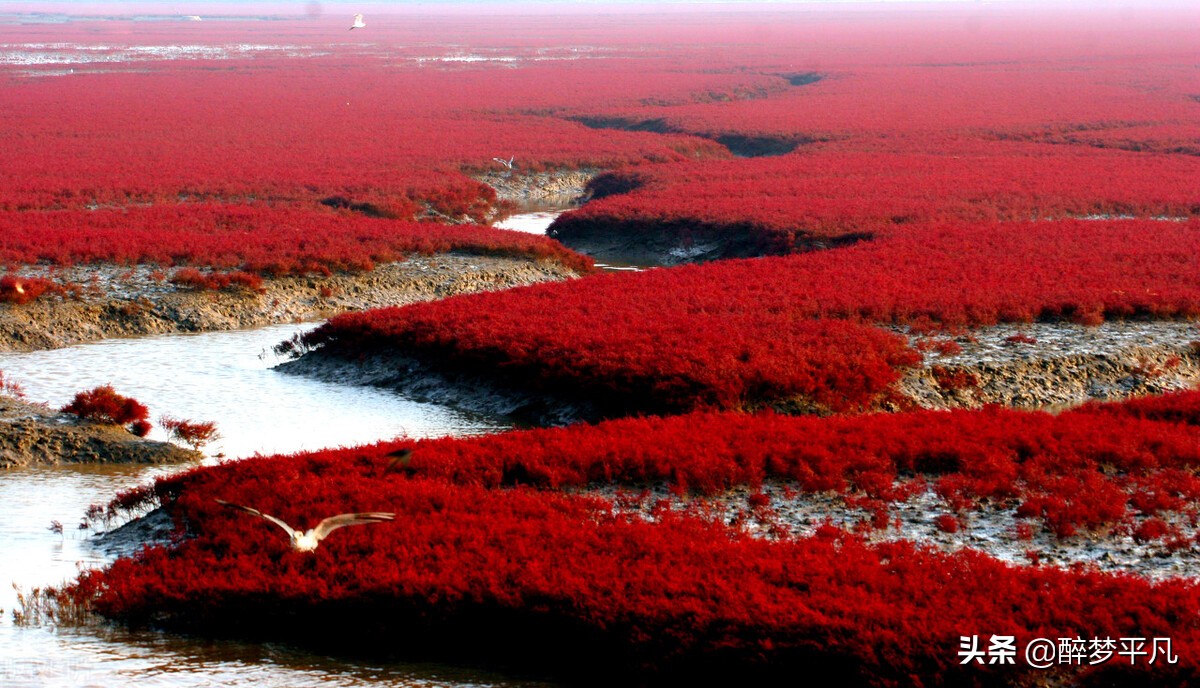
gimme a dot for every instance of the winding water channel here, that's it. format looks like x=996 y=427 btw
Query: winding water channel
x=224 y=377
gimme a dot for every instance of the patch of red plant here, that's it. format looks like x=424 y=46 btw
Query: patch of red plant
x=103 y=405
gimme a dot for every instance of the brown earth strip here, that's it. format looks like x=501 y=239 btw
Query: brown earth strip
x=124 y=302
x=33 y=434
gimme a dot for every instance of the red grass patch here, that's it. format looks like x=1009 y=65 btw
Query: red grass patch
x=104 y=405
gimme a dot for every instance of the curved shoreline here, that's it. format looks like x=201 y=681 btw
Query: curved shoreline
x=128 y=302
x=1072 y=364
x=417 y=380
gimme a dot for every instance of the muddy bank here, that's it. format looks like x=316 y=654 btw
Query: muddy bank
x=664 y=243
x=414 y=379
x=1051 y=365
x=32 y=434
x=1067 y=365
x=557 y=189
x=155 y=528
x=124 y=302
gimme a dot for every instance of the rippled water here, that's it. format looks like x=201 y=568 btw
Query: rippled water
x=224 y=377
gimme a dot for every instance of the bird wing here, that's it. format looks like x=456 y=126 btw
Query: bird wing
x=256 y=512
x=324 y=528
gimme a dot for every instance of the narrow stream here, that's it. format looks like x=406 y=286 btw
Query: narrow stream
x=538 y=222
x=224 y=377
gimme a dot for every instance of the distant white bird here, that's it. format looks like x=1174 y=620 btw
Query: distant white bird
x=309 y=539
x=19 y=288
x=358 y=23
x=507 y=163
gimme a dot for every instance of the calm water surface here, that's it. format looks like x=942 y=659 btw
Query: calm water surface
x=538 y=222
x=223 y=377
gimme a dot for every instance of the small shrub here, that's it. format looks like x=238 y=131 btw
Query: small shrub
x=759 y=500
x=104 y=405
x=141 y=428
x=11 y=387
x=946 y=523
x=944 y=347
x=1151 y=529
x=195 y=435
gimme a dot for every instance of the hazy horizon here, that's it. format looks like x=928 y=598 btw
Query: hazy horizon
x=310 y=7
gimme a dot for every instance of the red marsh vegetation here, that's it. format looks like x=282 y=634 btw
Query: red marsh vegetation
x=472 y=551
x=746 y=333
x=958 y=149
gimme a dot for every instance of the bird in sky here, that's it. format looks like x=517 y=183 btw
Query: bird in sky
x=308 y=540
x=358 y=23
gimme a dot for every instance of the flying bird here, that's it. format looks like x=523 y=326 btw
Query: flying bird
x=358 y=23
x=309 y=539
x=507 y=163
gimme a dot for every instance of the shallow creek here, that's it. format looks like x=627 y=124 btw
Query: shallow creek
x=223 y=377
x=539 y=221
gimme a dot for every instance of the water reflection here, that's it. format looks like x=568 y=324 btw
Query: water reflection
x=538 y=222
x=117 y=657
x=531 y=223
x=224 y=377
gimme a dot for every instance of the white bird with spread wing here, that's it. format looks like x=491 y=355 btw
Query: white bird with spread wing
x=308 y=540
x=358 y=23
x=507 y=163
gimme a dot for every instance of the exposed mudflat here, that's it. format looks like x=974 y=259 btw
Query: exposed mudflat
x=33 y=434
x=1050 y=365
x=124 y=302
x=412 y=378
x=155 y=528
x=558 y=188
x=991 y=529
